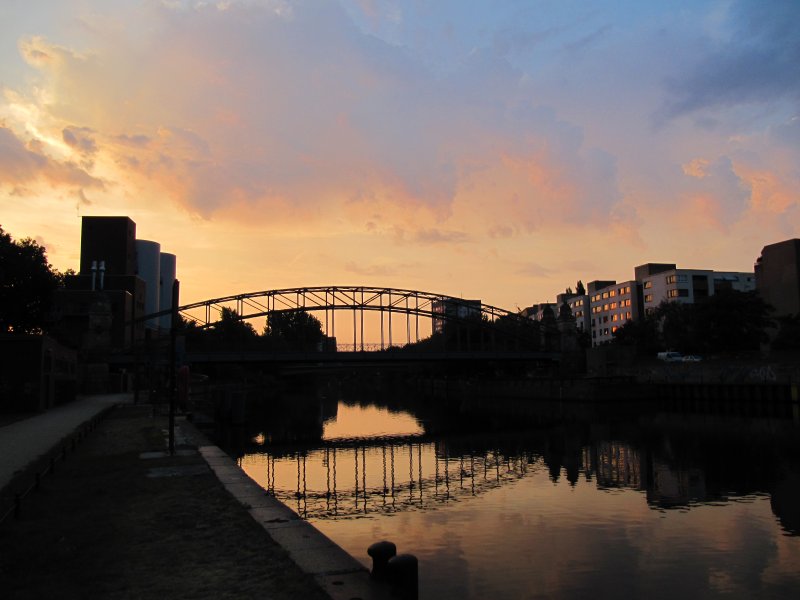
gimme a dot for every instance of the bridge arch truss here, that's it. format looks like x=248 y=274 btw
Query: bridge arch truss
x=406 y=306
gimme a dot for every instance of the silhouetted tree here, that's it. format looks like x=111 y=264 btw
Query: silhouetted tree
x=27 y=283
x=579 y=289
x=293 y=329
x=727 y=322
x=788 y=337
x=232 y=331
x=731 y=321
x=642 y=333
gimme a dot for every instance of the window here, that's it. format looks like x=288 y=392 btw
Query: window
x=592 y=322
x=578 y=313
x=614 y=329
x=612 y=306
x=612 y=293
x=678 y=293
x=676 y=279
x=605 y=318
x=648 y=285
x=615 y=317
x=605 y=295
x=605 y=306
x=605 y=331
x=628 y=314
x=648 y=298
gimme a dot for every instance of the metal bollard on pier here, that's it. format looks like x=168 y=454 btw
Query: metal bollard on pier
x=381 y=553
x=404 y=575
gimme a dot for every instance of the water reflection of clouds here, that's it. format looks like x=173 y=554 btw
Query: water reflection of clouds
x=545 y=517
x=357 y=422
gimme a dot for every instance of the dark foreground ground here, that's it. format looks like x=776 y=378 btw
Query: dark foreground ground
x=110 y=524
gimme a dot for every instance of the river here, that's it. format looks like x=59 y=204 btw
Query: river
x=502 y=499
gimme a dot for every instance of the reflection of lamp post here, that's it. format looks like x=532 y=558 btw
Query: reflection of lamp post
x=173 y=367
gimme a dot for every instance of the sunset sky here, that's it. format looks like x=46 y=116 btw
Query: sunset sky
x=497 y=149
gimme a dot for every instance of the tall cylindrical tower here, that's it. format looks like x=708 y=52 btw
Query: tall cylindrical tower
x=148 y=261
x=168 y=273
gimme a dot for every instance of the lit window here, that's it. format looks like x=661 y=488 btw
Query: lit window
x=614 y=329
x=648 y=298
x=615 y=317
x=648 y=285
x=612 y=293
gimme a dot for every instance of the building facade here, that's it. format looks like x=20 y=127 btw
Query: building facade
x=777 y=273
x=579 y=304
x=453 y=309
x=687 y=285
x=612 y=305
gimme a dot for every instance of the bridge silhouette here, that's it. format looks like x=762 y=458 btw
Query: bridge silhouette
x=405 y=317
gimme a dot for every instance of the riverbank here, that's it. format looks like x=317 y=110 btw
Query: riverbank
x=120 y=518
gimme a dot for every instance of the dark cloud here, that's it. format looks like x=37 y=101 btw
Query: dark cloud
x=21 y=166
x=137 y=140
x=80 y=139
x=439 y=236
x=758 y=63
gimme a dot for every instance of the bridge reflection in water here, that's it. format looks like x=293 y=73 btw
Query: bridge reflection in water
x=497 y=501
x=351 y=478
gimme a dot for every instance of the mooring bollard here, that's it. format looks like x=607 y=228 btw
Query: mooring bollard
x=403 y=574
x=381 y=552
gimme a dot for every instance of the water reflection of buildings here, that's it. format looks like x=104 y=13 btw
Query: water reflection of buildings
x=616 y=464
x=462 y=455
x=613 y=464
x=357 y=477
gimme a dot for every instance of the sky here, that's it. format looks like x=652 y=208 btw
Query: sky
x=499 y=149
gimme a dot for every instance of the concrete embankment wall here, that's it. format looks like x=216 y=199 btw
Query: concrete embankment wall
x=753 y=399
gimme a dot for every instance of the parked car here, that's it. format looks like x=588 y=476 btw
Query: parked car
x=670 y=356
x=692 y=358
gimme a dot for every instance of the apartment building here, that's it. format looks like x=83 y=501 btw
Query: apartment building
x=579 y=305
x=612 y=305
x=660 y=282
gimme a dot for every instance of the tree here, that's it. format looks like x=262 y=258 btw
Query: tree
x=643 y=334
x=232 y=331
x=788 y=336
x=731 y=321
x=579 y=289
x=293 y=329
x=27 y=283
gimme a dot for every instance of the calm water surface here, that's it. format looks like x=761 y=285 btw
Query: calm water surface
x=502 y=502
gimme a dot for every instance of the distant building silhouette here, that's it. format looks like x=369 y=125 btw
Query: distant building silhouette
x=453 y=309
x=777 y=273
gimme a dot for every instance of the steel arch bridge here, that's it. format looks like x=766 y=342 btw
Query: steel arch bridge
x=408 y=306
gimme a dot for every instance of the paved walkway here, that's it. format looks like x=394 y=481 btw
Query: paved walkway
x=22 y=442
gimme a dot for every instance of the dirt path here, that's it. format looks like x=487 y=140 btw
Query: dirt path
x=110 y=524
